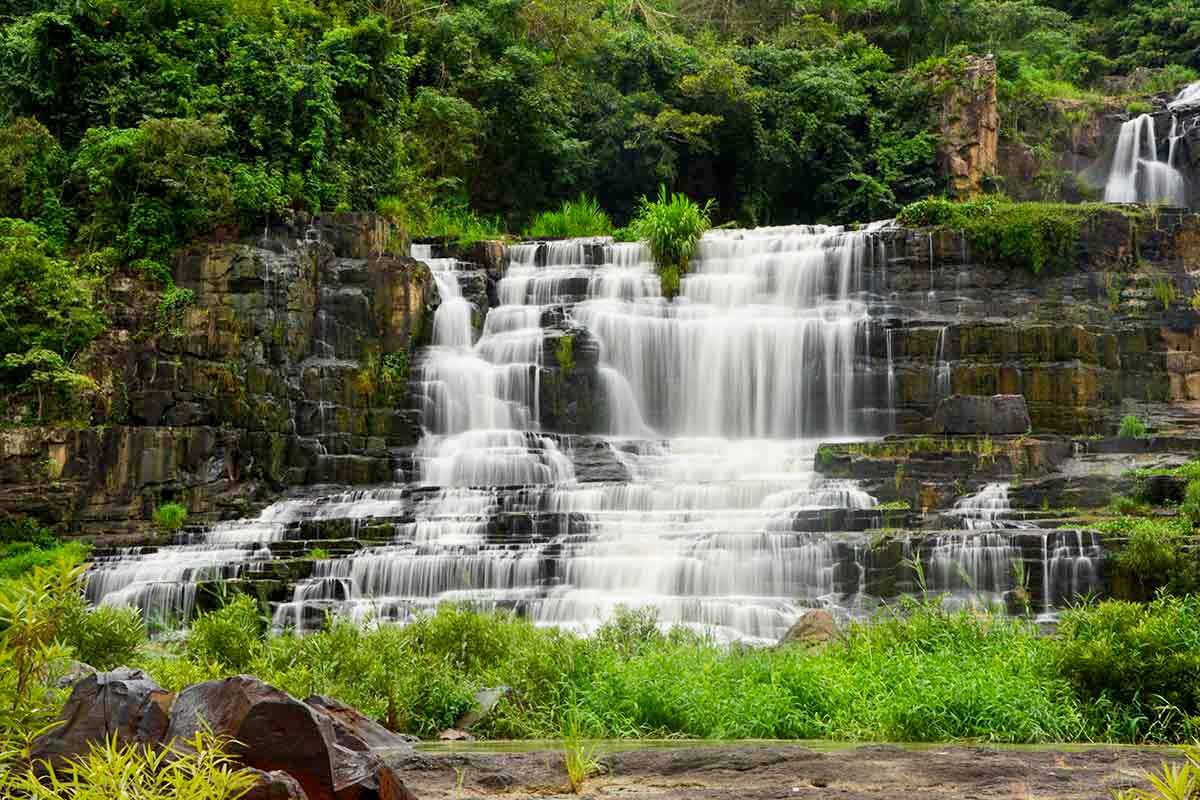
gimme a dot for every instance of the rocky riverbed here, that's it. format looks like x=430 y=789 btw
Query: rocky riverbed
x=774 y=770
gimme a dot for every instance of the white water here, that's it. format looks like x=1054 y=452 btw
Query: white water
x=708 y=510
x=1138 y=174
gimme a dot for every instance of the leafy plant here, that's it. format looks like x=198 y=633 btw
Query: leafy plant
x=1172 y=782
x=231 y=636
x=201 y=769
x=672 y=226
x=171 y=307
x=103 y=637
x=1132 y=427
x=169 y=518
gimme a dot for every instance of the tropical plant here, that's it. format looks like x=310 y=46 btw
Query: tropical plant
x=170 y=517
x=671 y=226
x=1132 y=427
x=575 y=218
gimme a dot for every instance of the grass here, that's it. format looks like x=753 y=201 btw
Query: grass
x=574 y=219
x=461 y=225
x=17 y=559
x=918 y=672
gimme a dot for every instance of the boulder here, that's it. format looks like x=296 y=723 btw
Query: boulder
x=997 y=415
x=72 y=673
x=276 y=732
x=275 y=786
x=815 y=626
x=124 y=703
x=354 y=731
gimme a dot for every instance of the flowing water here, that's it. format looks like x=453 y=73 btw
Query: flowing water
x=1141 y=171
x=697 y=498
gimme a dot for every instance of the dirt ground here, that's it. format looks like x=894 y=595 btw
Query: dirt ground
x=768 y=770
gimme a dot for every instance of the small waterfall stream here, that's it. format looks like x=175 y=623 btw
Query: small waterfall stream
x=1142 y=170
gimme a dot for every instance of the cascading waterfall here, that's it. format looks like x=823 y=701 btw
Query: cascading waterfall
x=707 y=508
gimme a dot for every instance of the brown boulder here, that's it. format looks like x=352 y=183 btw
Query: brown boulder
x=124 y=703
x=275 y=786
x=276 y=732
x=815 y=626
x=354 y=730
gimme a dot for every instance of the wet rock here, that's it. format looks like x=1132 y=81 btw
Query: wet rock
x=124 y=704
x=276 y=732
x=816 y=626
x=998 y=415
x=455 y=735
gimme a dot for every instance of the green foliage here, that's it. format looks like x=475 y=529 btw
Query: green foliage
x=1137 y=667
x=199 y=769
x=171 y=307
x=1132 y=427
x=25 y=530
x=21 y=558
x=170 y=517
x=103 y=637
x=1191 y=502
x=461 y=225
x=394 y=375
x=1032 y=236
x=1156 y=553
x=231 y=636
x=1164 y=291
x=1173 y=782
x=576 y=218
x=317 y=553
x=672 y=226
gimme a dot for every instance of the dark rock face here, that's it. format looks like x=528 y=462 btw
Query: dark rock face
x=271 y=379
x=124 y=703
x=353 y=730
x=998 y=415
x=276 y=732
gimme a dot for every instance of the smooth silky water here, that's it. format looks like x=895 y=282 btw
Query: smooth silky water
x=714 y=403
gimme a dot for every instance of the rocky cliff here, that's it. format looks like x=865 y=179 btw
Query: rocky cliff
x=288 y=369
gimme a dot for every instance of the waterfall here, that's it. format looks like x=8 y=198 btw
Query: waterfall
x=696 y=497
x=1137 y=174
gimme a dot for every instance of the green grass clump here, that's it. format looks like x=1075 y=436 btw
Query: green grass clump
x=460 y=224
x=1132 y=427
x=19 y=558
x=1156 y=553
x=1032 y=236
x=672 y=226
x=170 y=517
x=575 y=218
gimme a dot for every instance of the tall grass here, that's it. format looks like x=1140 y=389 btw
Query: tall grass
x=459 y=224
x=672 y=226
x=575 y=218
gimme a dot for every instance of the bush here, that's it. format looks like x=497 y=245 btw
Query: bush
x=1032 y=236
x=231 y=636
x=103 y=637
x=672 y=226
x=1155 y=555
x=170 y=517
x=1132 y=427
x=23 y=558
x=1137 y=668
x=1190 y=507
x=574 y=219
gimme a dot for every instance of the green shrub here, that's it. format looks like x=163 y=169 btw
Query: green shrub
x=1124 y=505
x=1132 y=427
x=1137 y=668
x=1190 y=507
x=1156 y=554
x=103 y=637
x=20 y=560
x=574 y=219
x=1032 y=236
x=672 y=226
x=231 y=636
x=170 y=517
x=25 y=530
